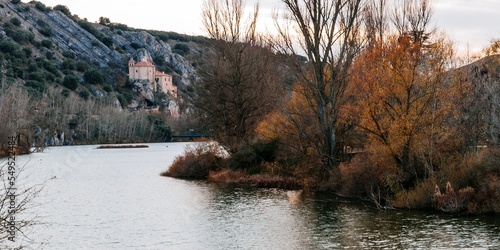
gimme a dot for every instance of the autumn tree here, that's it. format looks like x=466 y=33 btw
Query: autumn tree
x=403 y=96
x=240 y=79
x=328 y=34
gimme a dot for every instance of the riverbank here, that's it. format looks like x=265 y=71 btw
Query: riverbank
x=168 y=213
x=471 y=187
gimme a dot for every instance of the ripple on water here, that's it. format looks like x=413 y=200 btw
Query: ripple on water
x=116 y=200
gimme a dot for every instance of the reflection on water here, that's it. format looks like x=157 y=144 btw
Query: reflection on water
x=115 y=199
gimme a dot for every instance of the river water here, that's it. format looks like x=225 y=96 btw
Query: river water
x=115 y=199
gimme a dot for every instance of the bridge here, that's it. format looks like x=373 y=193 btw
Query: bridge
x=188 y=137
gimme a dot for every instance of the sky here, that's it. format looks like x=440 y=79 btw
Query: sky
x=471 y=24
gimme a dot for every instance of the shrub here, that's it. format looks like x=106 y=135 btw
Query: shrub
x=47 y=43
x=70 y=82
x=68 y=64
x=93 y=77
x=107 y=88
x=63 y=9
x=369 y=176
x=135 y=45
x=46 y=31
x=122 y=100
x=253 y=155
x=451 y=201
x=8 y=46
x=15 y=1
x=15 y=21
x=28 y=52
x=196 y=162
x=37 y=86
x=107 y=41
x=84 y=94
x=420 y=196
x=181 y=49
x=90 y=28
x=41 y=7
x=21 y=36
x=82 y=66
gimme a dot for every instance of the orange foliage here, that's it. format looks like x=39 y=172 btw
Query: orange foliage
x=404 y=102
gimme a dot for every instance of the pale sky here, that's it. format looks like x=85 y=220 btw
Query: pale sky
x=470 y=23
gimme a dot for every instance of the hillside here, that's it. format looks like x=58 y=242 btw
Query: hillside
x=55 y=44
x=73 y=73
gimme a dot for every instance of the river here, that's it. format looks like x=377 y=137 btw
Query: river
x=116 y=199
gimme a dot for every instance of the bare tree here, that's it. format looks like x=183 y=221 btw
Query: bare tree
x=412 y=18
x=328 y=33
x=240 y=80
x=376 y=20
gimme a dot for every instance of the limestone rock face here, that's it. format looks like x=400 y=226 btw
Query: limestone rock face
x=68 y=35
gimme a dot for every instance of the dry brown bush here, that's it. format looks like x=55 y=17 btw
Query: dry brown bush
x=197 y=161
x=453 y=202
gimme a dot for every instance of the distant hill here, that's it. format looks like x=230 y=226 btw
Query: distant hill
x=43 y=46
x=64 y=80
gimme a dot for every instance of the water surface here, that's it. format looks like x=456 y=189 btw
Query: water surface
x=115 y=199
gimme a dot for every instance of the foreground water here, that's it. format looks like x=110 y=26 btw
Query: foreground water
x=115 y=199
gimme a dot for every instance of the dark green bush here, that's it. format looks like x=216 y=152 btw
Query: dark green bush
x=41 y=7
x=107 y=88
x=37 y=86
x=135 y=45
x=15 y=21
x=181 y=49
x=159 y=60
x=122 y=100
x=84 y=94
x=21 y=36
x=68 y=54
x=93 y=77
x=70 y=82
x=36 y=76
x=82 y=66
x=28 y=52
x=68 y=64
x=47 y=43
x=49 y=55
x=63 y=9
x=46 y=31
x=15 y=1
x=90 y=28
x=107 y=41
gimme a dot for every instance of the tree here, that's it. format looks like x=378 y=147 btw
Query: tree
x=240 y=82
x=405 y=101
x=328 y=33
x=104 y=21
x=93 y=77
x=70 y=82
x=493 y=48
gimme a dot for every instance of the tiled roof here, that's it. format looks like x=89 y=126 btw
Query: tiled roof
x=143 y=64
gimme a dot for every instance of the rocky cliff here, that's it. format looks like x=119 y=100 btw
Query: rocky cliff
x=58 y=36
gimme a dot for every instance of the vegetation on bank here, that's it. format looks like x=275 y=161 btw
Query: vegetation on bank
x=383 y=115
x=51 y=94
x=254 y=166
